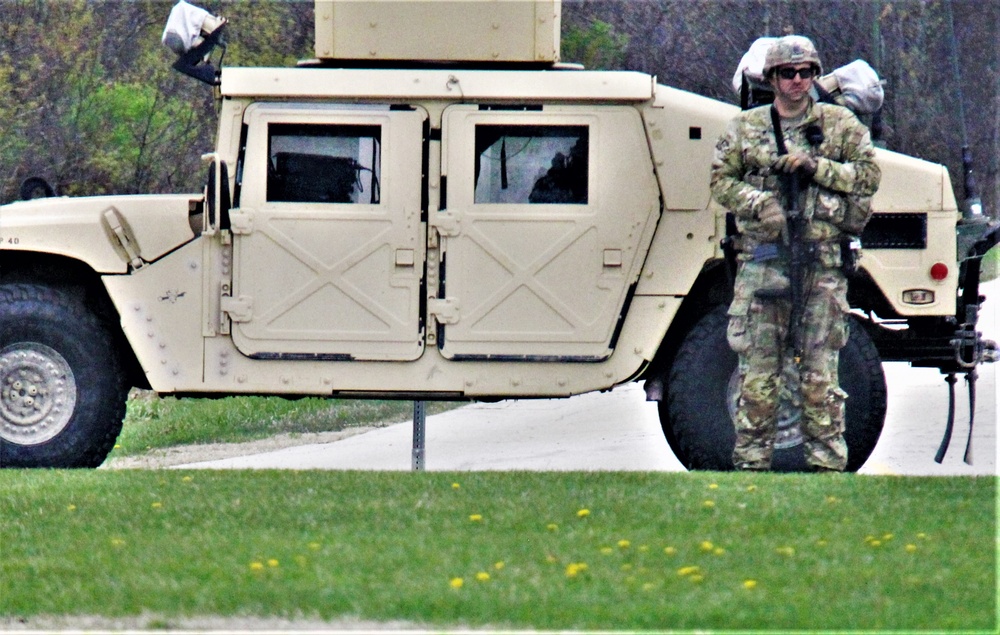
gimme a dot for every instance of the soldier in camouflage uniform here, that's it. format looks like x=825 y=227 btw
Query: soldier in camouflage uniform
x=838 y=176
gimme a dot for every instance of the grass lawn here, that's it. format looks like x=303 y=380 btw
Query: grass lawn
x=515 y=550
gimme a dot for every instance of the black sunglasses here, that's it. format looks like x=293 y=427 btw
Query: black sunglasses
x=790 y=73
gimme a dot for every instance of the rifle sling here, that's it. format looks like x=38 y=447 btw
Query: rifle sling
x=779 y=136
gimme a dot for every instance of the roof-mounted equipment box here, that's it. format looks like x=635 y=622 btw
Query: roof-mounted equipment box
x=502 y=31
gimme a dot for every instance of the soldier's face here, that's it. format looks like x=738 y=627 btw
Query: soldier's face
x=792 y=82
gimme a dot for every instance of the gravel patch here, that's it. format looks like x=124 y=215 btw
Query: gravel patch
x=180 y=455
x=159 y=624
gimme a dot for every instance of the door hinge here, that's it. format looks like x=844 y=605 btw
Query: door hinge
x=239 y=309
x=240 y=222
x=446 y=224
x=445 y=310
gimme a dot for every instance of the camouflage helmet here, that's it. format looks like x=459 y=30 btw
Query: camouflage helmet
x=791 y=49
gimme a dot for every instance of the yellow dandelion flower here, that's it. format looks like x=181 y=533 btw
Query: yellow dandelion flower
x=707 y=546
x=482 y=576
x=751 y=488
x=256 y=566
x=607 y=551
x=713 y=486
x=272 y=562
x=476 y=518
x=910 y=548
x=832 y=499
x=670 y=551
x=117 y=542
x=118 y=446
x=583 y=513
x=575 y=568
x=708 y=504
x=157 y=505
x=624 y=544
x=749 y=584
x=869 y=538
x=71 y=508
x=686 y=571
x=499 y=565
x=552 y=527
x=456 y=583
x=718 y=551
x=187 y=479
x=455 y=486
x=315 y=546
x=887 y=537
x=875 y=543
x=785 y=551
x=922 y=536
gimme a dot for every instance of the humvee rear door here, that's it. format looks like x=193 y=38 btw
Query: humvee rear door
x=547 y=218
x=328 y=246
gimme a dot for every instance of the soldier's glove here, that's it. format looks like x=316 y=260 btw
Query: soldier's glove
x=773 y=224
x=799 y=161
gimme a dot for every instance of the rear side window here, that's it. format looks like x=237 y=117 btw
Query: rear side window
x=532 y=164
x=311 y=163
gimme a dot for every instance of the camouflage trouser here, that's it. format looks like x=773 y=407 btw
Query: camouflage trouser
x=758 y=333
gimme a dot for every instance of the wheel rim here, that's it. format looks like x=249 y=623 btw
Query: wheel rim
x=789 y=433
x=37 y=393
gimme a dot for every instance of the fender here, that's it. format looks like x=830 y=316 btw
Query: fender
x=109 y=233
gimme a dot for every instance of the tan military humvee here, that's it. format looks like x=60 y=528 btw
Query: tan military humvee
x=459 y=218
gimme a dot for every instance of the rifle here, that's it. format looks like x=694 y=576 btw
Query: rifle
x=801 y=253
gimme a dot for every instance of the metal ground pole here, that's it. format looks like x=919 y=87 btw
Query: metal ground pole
x=419 y=431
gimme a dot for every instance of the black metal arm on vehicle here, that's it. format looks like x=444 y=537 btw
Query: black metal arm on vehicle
x=968 y=345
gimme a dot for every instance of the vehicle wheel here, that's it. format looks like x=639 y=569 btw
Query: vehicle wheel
x=62 y=388
x=696 y=412
x=36 y=187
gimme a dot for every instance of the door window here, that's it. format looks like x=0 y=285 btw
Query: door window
x=531 y=164
x=311 y=163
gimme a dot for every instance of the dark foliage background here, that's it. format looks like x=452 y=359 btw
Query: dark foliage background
x=88 y=99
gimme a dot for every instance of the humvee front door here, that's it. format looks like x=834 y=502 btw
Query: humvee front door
x=328 y=243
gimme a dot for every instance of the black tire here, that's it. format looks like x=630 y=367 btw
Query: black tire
x=36 y=187
x=62 y=387
x=696 y=417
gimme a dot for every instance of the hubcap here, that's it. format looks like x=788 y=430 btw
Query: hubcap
x=789 y=433
x=37 y=393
